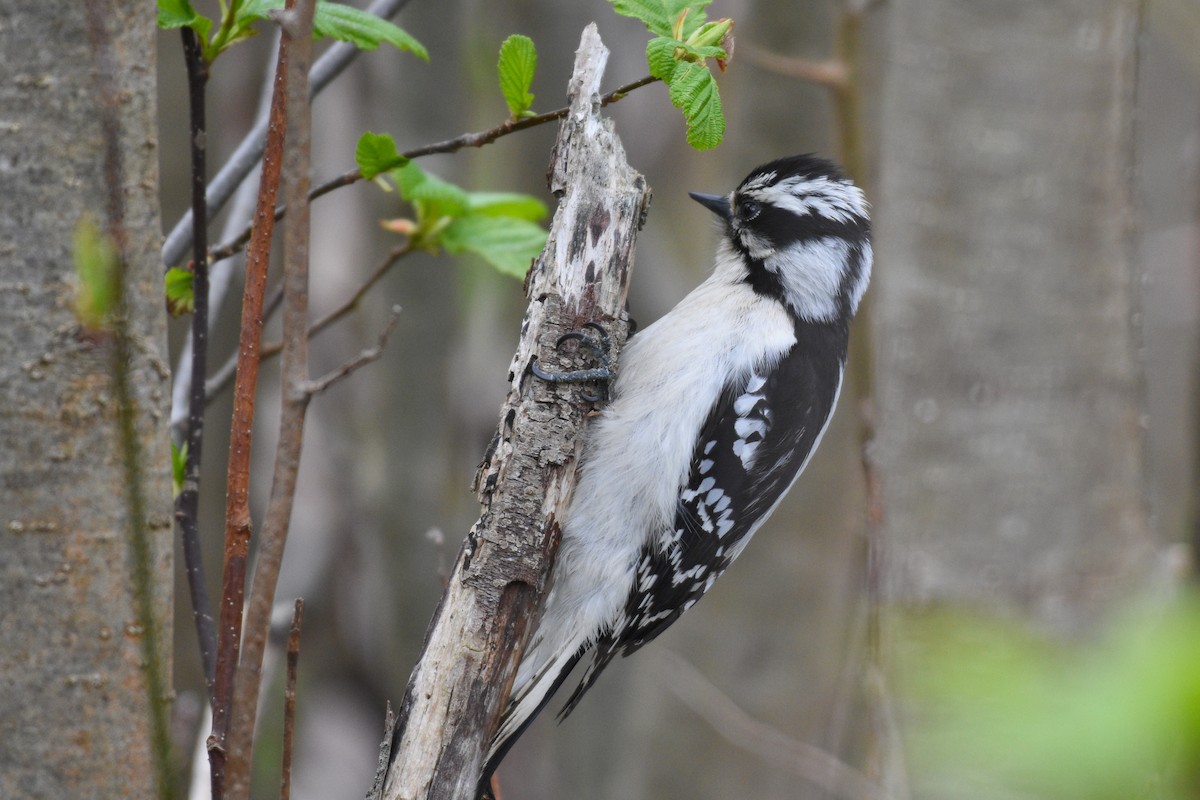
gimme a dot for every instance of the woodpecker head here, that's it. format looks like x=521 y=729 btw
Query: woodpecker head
x=797 y=229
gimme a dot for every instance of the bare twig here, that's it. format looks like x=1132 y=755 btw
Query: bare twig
x=223 y=377
x=365 y=357
x=297 y=23
x=237 y=506
x=289 y=701
x=832 y=73
x=187 y=505
x=394 y=255
x=764 y=741
x=847 y=102
x=109 y=106
x=245 y=157
x=478 y=139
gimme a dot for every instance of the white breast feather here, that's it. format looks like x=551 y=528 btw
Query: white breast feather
x=721 y=329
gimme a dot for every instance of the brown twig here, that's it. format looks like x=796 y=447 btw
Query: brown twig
x=224 y=376
x=847 y=95
x=365 y=357
x=394 y=255
x=289 y=701
x=833 y=73
x=237 y=505
x=478 y=139
x=296 y=22
x=764 y=741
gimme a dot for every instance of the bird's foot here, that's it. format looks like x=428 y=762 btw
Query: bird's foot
x=601 y=375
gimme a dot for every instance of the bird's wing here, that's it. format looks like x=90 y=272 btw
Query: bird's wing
x=758 y=437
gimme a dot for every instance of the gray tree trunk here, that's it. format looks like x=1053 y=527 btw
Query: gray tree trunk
x=1008 y=382
x=74 y=717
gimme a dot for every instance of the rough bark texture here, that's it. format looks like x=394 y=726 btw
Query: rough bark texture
x=1008 y=384
x=73 y=708
x=457 y=690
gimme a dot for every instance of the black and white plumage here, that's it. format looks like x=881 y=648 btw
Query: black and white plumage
x=716 y=409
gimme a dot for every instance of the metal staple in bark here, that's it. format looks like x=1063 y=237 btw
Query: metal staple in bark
x=457 y=691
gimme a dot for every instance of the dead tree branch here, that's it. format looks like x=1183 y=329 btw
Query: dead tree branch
x=458 y=689
x=289 y=700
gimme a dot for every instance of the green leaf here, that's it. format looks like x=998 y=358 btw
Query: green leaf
x=181 y=298
x=376 y=153
x=436 y=198
x=694 y=92
x=711 y=34
x=699 y=54
x=96 y=275
x=433 y=198
x=344 y=23
x=663 y=53
x=660 y=16
x=178 y=466
x=660 y=55
x=256 y=10
x=407 y=177
x=507 y=244
x=518 y=61
x=506 y=204
x=497 y=226
x=365 y=31
x=173 y=14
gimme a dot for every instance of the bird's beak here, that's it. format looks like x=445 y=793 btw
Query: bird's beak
x=716 y=203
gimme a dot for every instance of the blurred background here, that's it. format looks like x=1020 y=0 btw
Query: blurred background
x=1023 y=378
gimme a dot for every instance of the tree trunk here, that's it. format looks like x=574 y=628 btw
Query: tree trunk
x=73 y=701
x=1009 y=390
x=1008 y=384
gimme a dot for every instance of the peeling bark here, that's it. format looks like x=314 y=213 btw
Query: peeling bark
x=459 y=687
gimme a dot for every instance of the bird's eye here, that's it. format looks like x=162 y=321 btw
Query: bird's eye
x=748 y=210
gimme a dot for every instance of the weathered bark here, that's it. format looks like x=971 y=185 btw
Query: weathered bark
x=475 y=642
x=72 y=693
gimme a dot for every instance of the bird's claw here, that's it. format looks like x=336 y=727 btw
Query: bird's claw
x=601 y=375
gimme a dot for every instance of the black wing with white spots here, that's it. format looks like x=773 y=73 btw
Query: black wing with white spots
x=756 y=439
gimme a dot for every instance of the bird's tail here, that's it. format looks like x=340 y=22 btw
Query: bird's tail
x=526 y=702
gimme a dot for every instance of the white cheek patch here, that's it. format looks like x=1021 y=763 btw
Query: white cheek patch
x=811 y=274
